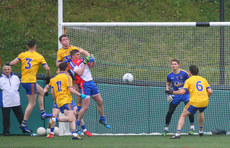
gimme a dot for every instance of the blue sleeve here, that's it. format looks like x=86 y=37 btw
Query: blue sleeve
x=168 y=78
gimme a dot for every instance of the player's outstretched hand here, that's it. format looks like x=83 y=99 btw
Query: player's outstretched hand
x=83 y=96
x=169 y=91
x=170 y=98
x=47 y=79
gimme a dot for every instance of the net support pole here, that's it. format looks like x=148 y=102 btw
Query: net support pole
x=222 y=65
x=60 y=20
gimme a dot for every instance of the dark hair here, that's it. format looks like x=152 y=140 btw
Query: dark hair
x=60 y=38
x=175 y=60
x=31 y=43
x=194 y=69
x=73 y=52
x=63 y=66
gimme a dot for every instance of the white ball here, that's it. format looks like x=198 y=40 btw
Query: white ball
x=56 y=131
x=128 y=78
x=41 y=131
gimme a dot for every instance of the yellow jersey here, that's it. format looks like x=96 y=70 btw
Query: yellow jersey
x=30 y=63
x=64 y=54
x=197 y=87
x=60 y=83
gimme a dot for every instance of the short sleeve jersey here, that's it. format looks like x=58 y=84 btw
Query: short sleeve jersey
x=60 y=83
x=30 y=64
x=197 y=87
x=64 y=54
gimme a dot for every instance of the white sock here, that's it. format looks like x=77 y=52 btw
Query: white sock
x=84 y=130
x=75 y=134
x=201 y=131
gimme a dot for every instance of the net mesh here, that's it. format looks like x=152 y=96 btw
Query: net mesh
x=146 y=52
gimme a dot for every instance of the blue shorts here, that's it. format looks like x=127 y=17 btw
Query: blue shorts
x=88 y=88
x=181 y=98
x=55 y=105
x=192 y=109
x=66 y=107
x=31 y=88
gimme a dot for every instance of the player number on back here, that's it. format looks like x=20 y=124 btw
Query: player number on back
x=59 y=86
x=28 y=66
x=199 y=86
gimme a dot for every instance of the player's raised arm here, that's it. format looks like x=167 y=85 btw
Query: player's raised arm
x=14 y=62
x=82 y=51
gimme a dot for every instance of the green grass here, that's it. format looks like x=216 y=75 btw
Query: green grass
x=117 y=142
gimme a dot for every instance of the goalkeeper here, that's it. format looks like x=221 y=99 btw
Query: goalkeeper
x=177 y=78
x=200 y=92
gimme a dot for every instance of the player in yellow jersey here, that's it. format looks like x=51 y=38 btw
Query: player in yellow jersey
x=56 y=111
x=30 y=61
x=61 y=91
x=63 y=54
x=200 y=91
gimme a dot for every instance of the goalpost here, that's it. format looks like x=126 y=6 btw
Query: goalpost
x=145 y=50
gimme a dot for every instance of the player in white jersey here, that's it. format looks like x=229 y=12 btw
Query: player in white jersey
x=84 y=79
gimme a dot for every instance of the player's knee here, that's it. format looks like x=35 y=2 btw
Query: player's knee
x=86 y=107
x=100 y=102
x=32 y=104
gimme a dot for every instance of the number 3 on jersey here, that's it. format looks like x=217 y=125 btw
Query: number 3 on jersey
x=28 y=66
x=199 y=86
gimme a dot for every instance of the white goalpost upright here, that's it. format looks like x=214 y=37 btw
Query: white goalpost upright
x=145 y=50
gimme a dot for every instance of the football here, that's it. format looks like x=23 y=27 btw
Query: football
x=128 y=78
x=56 y=131
x=41 y=131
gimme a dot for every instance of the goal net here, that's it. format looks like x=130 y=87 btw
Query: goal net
x=146 y=51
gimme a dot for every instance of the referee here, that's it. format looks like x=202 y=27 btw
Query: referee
x=9 y=98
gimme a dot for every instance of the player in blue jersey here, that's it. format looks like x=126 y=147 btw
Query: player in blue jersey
x=177 y=79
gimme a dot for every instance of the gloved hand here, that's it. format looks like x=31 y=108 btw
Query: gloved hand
x=170 y=98
x=169 y=91
x=91 y=59
x=86 y=60
x=8 y=63
x=46 y=93
x=47 y=80
x=82 y=96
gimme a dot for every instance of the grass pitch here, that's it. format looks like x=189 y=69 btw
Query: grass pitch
x=116 y=142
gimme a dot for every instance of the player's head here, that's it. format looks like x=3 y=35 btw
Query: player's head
x=31 y=44
x=64 y=40
x=63 y=66
x=193 y=69
x=7 y=70
x=175 y=64
x=75 y=54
